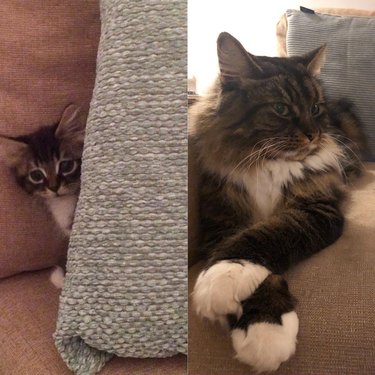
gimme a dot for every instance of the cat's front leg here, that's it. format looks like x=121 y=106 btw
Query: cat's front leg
x=262 y=317
x=266 y=333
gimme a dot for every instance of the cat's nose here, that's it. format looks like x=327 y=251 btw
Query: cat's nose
x=312 y=136
x=54 y=188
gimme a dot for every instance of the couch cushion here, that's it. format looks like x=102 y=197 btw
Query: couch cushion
x=349 y=68
x=282 y=25
x=29 y=304
x=336 y=304
x=48 y=57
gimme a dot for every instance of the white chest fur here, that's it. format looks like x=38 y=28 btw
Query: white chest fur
x=62 y=209
x=265 y=182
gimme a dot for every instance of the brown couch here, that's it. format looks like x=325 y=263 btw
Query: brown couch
x=48 y=55
x=336 y=305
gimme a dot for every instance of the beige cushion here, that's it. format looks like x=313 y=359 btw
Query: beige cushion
x=29 y=304
x=335 y=290
x=48 y=57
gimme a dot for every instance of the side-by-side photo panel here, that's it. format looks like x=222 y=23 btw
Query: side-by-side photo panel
x=93 y=182
x=281 y=188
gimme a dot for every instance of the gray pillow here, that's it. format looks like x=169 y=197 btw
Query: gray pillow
x=125 y=291
x=349 y=70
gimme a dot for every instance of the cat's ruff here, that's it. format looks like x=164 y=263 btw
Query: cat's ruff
x=62 y=209
x=264 y=183
x=220 y=289
x=264 y=346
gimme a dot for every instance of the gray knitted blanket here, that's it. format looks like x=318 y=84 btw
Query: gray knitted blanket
x=125 y=290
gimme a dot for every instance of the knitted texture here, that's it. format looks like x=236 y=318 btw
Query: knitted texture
x=125 y=291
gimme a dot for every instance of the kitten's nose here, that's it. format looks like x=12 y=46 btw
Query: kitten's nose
x=54 y=188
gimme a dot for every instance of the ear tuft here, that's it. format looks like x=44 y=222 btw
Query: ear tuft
x=315 y=59
x=14 y=150
x=234 y=61
x=72 y=124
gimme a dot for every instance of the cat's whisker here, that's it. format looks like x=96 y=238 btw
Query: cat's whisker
x=262 y=155
x=337 y=160
x=254 y=153
x=259 y=161
x=347 y=147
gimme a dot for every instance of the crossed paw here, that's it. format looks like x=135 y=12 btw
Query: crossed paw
x=265 y=326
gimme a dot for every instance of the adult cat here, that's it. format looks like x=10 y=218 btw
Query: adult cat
x=274 y=158
x=47 y=165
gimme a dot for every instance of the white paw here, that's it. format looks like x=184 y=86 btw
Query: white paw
x=57 y=277
x=265 y=345
x=220 y=289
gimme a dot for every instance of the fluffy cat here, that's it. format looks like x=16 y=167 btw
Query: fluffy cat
x=47 y=165
x=274 y=158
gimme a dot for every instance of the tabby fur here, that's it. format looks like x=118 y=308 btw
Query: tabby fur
x=275 y=158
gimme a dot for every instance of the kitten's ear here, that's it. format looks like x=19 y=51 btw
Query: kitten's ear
x=72 y=124
x=234 y=61
x=314 y=60
x=13 y=150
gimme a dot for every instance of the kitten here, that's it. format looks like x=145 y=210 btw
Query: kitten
x=274 y=158
x=47 y=165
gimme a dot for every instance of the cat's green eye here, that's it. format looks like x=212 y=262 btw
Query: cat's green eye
x=67 y=166
x=281 y=109
x=36 y=176
x=315 y=109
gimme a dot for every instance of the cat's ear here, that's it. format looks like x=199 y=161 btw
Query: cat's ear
x=71 y=126
x=14 y=150
x=234 y=61
x=314 y=60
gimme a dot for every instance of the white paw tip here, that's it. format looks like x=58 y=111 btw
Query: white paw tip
x=265 y=345
x=220 y=289
x=57 y=277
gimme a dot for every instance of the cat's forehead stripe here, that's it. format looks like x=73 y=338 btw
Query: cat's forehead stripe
x=291 y=90
x=56 y=160
x=44 y=144
x=301 y=90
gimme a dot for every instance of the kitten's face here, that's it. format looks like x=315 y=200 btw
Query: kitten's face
x=268 y=107
x=48 y=162
x=46 y=169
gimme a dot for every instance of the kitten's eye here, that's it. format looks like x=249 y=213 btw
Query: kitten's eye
x=67 y=166
x=315 y=109
x=281 y=109
x=36 y=176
